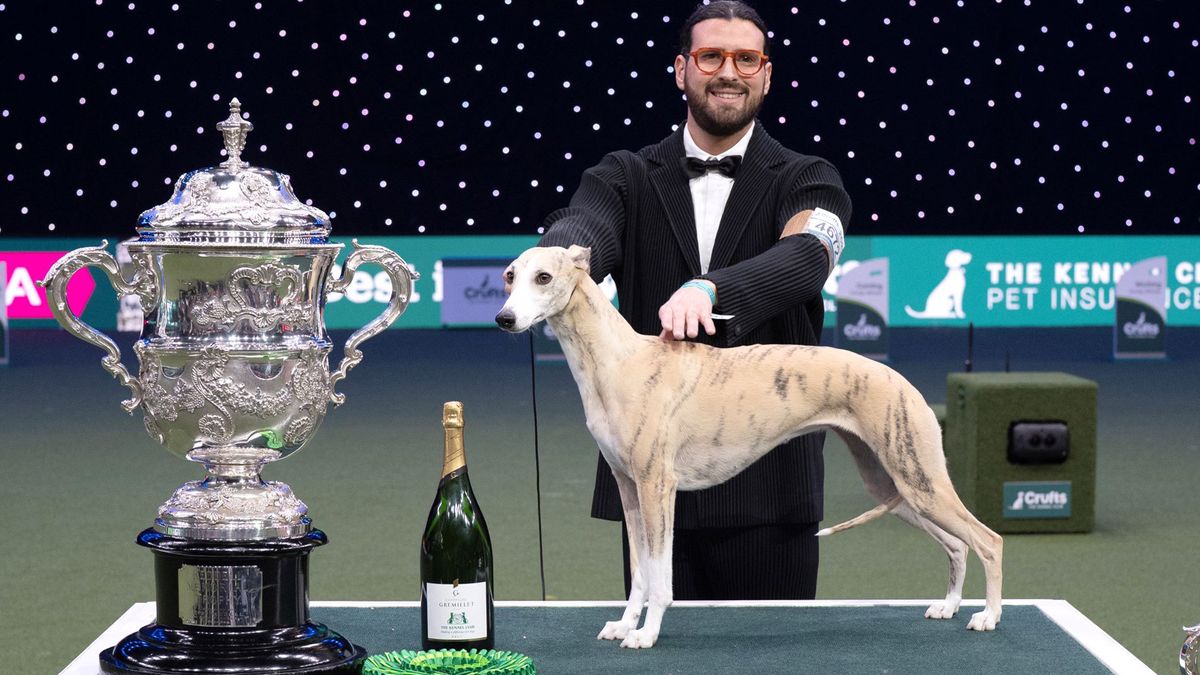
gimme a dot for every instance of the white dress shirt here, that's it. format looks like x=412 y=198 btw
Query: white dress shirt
x=709 y=194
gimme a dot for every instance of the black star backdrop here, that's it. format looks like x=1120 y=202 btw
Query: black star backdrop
x=976 y=116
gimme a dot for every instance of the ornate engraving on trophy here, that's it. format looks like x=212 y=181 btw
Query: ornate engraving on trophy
x=210 y=385
x=259 y=210
x=160 y=403
x=252 y=292
x=220 y=596
x=273 y=505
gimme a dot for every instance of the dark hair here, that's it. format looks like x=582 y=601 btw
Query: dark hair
x=721 y=9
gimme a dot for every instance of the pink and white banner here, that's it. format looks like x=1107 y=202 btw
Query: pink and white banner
x=25 y=299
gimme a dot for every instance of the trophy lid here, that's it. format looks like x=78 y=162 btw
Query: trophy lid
x=234 y=202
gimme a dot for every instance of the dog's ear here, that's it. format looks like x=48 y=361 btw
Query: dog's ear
x=581 y=257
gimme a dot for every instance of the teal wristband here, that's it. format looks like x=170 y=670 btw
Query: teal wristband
x=712 y=296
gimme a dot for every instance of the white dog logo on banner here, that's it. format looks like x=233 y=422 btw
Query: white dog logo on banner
x=945 y=301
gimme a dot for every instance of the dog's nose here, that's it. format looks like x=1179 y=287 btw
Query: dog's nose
x=506 y=319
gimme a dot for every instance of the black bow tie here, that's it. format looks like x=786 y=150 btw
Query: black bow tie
x=696 y=167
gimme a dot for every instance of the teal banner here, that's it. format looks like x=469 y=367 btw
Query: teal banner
x=365 y=296
x=933 y=281
x=1022 y=281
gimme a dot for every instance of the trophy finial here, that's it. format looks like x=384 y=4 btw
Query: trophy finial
x=234 y=128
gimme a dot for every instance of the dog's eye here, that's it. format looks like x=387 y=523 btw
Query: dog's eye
x=543 y=278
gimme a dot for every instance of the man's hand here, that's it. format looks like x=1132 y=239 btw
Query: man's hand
x=687 y=310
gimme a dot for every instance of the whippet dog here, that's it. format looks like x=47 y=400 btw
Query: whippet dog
x=697 y=415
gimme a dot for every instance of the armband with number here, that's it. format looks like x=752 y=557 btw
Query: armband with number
x=827 y=227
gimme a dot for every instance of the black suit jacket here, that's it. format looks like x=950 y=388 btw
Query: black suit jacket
x=635 y=212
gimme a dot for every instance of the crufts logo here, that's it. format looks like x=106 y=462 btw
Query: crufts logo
x=946 y=299
x=484 y=292
x=1033 y=499
x=862 y=330
x=1141 y=329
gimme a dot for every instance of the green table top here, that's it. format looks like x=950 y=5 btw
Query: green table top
x=882 y=636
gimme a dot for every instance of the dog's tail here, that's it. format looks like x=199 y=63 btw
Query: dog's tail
x=864 y=518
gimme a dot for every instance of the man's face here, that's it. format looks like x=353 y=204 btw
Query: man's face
x=724 y=102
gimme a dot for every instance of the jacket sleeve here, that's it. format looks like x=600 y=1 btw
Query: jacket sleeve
x=791 y=272
x=596 y=215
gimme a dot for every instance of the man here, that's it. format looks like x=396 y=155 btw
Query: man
x=684 y=240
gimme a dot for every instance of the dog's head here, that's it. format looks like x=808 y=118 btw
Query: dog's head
x=957 y=259
x=539 y=284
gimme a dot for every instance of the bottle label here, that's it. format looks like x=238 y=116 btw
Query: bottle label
x=456 y=612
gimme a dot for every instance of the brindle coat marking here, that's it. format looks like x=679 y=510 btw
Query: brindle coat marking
x=702 y=414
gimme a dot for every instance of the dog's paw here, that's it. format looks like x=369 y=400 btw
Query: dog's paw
x=639 y=639
x=983 y=621
x=942 y=610
x=614 y=630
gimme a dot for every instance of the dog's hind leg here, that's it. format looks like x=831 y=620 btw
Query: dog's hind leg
x=883 y=488
x=909 y=446
x=945 y=510
x=618 y=630
x=656 y=499
x=956 y=551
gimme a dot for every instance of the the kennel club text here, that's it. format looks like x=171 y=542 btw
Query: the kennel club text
x=1085 y=285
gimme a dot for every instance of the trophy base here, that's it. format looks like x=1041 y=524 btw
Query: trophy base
x=232 y=607
x=311 y=648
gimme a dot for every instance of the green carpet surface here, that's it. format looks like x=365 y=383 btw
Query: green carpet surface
x=792 y=640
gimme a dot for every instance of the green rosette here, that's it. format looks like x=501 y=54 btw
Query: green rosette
x=449 y=662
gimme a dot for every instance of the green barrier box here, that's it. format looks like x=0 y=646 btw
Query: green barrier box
x=1022 y=496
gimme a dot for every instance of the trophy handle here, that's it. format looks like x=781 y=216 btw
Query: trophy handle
x=402 y=277
x=144 y=284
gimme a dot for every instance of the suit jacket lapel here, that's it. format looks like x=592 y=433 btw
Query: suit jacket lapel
x=671 y=185
x=754 y=176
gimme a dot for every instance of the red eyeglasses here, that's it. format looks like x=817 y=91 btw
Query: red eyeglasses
x=747 y=62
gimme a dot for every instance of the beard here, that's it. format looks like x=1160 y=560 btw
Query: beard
x=716 y=119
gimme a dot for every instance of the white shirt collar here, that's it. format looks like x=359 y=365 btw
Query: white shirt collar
x=692 y=150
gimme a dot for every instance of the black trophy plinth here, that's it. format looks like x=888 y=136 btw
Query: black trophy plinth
x=232 y=607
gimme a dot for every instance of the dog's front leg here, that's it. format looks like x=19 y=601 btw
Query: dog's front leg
x=656 y=499
x=618 y=630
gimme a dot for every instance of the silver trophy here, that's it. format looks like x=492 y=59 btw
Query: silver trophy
x=1189 y=654
x=232 y=274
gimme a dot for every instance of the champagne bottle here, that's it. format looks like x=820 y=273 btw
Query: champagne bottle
x=456 y=555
